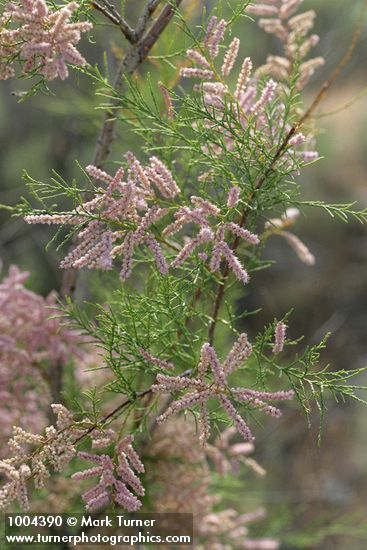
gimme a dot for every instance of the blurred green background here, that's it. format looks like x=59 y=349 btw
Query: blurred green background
x=307 y=488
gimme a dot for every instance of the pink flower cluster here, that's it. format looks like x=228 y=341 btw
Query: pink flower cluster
x=32 y=339
x=114 y=479
x=55 y=448
x=43 y=40
x=124 y=204
x=199 y=215
x=201 y=391
x=248 y=103
x=127 y=206
x=277 y=17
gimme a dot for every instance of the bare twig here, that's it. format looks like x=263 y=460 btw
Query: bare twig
x=109 y=11
x=158 y=27
x=145 y=17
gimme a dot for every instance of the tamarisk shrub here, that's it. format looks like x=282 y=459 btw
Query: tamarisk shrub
x=185 y=218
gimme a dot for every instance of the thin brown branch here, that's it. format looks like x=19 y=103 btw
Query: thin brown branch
x=106 y=13
x=158 y=27
x=123 y=405
x=113 y=413
x=217 y=303
x=111 y=13
x=145 y=17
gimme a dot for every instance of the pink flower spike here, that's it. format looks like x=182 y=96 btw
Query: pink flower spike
x=86 y=474
x=198 y=58
x=240 y=351
x=263 y=10
x=100 y=501
x=288 y=8
x=158 y=254
x=155 y=361
x=233 y=197
x=243 y=233
x=240 y=424
x=243 y=77
x=167 y=101
x=204 y=236
x=209 y=356
x=125 y=498
x=189 y=400
x=90 y=458
x=216 y=258
x=215 y=38
x=128 y=249
x=134 y=459
x=230 y=57
x=266 y=97
x=188 y=72
x=280 y=334
x=300 y=248
x=209 y=30
x=234 y=264
x=167 y=384
x=98 y=174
